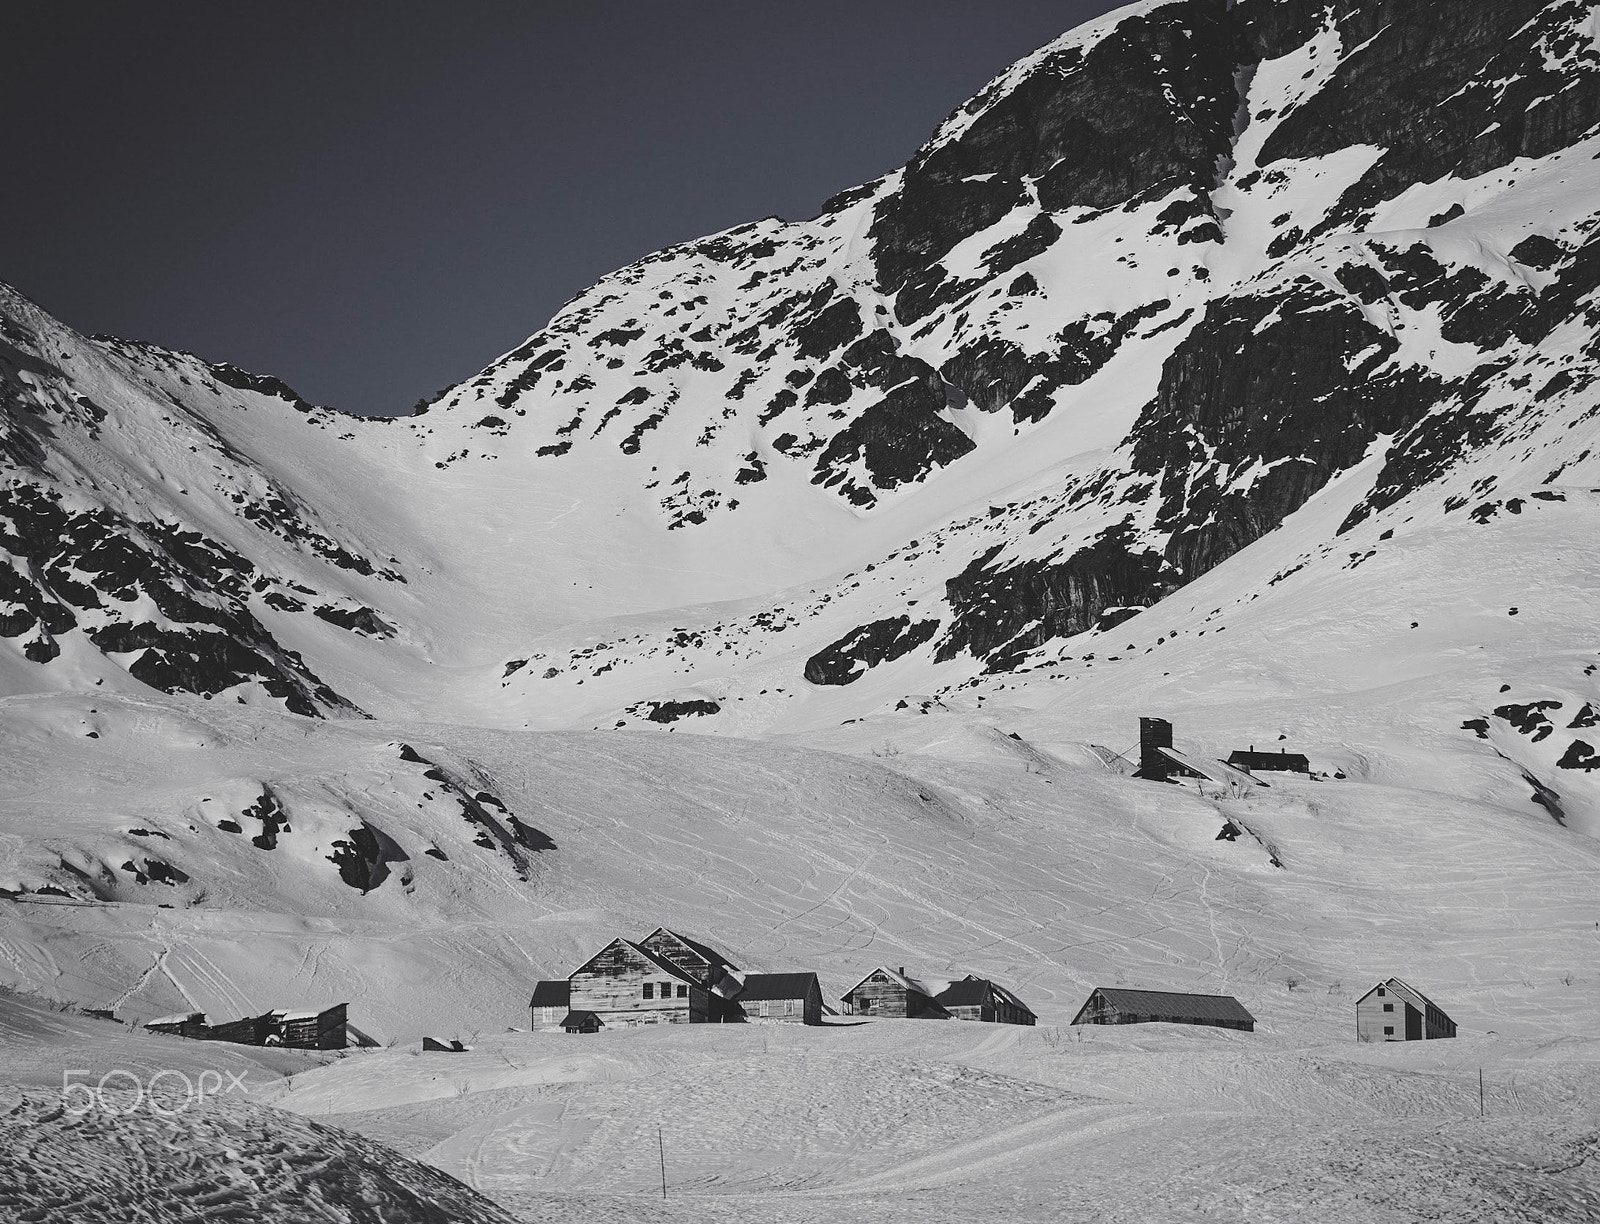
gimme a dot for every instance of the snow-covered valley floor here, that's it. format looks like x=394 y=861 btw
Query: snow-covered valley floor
x=936 y=841
x=894 y=1120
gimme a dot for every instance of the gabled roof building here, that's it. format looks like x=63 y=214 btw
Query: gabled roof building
x=1117 y=1005
x=551 y=1001
x=788 y=998
x=1394 y=1010
x=976 y=998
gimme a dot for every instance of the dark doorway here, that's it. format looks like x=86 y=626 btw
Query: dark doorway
x=1413 y=1024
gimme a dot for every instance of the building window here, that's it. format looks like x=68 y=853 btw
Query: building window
x=1388 y=1007
x=791 y=1007
x=683 y=990
x=766 y=1009
x=649 y=990
x=1380 y=992
x=1388 y=1030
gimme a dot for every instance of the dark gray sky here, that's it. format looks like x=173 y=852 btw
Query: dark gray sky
x=372 y=201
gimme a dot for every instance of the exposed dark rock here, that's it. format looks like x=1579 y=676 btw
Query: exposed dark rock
x=269 y=810
x=363 y=857
x=672 y=711
x=1529 y=719
x=1580 y=755
x=898 y=439
x=1150 y=108
x=1461 y=96
x=852 y=656
x=1002 y=611
x=358 y=620
x=1294 y=382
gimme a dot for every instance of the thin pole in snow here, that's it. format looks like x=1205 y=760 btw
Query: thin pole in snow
x=662 y=1145
x=1480 y=1092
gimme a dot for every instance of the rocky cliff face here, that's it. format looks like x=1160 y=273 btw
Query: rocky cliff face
x=1133 y=307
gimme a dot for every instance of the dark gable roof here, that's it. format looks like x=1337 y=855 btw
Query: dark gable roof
x=577 y=1019
x=1166 y=1004
x=969 y=992
x=648 y=956
x=662 y=964
x=552 y=994
x=759 y=986
x=1285 y=762
x=705 y=951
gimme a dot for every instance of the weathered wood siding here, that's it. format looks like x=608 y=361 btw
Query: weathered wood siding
x=612 y=986
x=881 y=995
x=679 y=955
x=1384 y=1016
x=1010 y=1013
x=799 y=1010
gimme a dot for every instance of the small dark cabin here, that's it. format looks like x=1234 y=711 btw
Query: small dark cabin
x=1269 y=762
x=1115 y=1005
x=975 y=998
x=791 y=998
x=551 y=1001
x=889 y=992
x=582 y=1022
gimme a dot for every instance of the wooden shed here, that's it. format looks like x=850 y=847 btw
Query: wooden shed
x=184 y=1024
x=1269 y=762
x=975 y=998
x=582 y=1022
x=788 y=998
x=1394 y=1010
x=551 y=1001
x=1115 y=1005
x=889 y=992
x=625 y=983
x=247 y=1030
x=314 y=1029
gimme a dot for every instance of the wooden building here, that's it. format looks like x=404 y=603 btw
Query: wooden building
x=889 y=992
x=1252 y=761
x=975 y=998
x=313 y=1029
x=430 y=1046
x=1115 y=1005
x=582 y=1022
x=1154 y=735
x=787 y=998
x=248 y=1030
x=625 y=983
x=696 y=961
x=1394 y=1010
x=184 y=1024
x=551 y=1001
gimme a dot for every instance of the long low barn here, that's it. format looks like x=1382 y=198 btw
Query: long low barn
x=1117 y=1005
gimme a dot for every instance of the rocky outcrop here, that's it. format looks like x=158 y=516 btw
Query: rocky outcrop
x=857 y=652
x=1148 y=108
x=1003 y=610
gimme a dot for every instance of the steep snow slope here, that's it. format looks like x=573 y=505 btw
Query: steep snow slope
x=1126 y=312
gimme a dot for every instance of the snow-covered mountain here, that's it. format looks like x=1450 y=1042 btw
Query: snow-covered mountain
x=1234 y=362
x=1128 y=311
